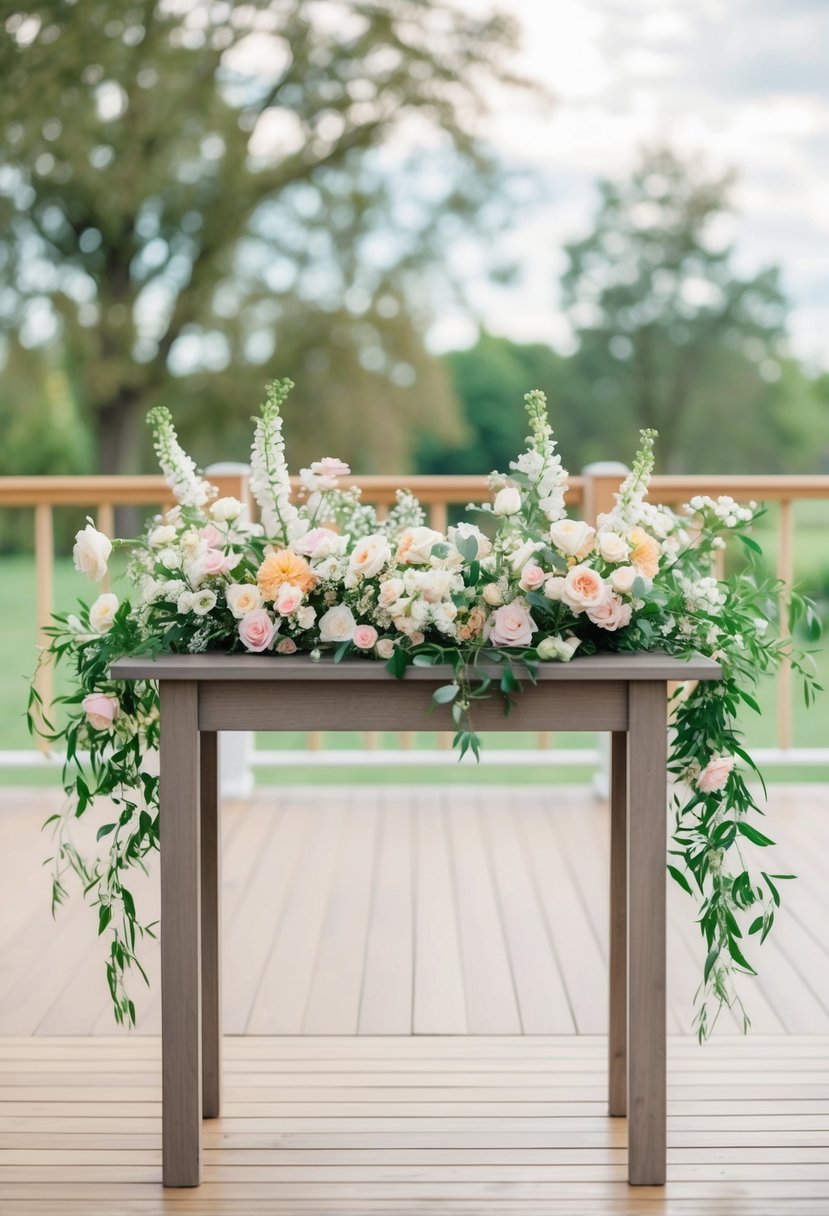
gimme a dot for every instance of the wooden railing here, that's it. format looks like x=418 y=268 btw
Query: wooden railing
x=590 y=494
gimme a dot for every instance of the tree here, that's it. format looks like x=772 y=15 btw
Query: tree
x=669 y=329
x=196 y=196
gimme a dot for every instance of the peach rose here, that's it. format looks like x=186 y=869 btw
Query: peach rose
x=364 y=637
x=286 y=646
x=257 y=630
x=714 y=776
x=583 y=588
x=415 y=545
x=284 y=566
x=101 y=710
x=612 y=614
x=644 y=552
x=369 y=556
x=512 y=625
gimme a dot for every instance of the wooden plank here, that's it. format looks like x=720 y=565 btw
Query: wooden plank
x=439 y=1002
x=211 y=924
x=617 y=931
x=388 y=976
x=179 y=819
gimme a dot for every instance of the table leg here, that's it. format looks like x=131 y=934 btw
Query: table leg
x=180 y=934
x=211 y=926
x=647 y=843
x=617 y=1019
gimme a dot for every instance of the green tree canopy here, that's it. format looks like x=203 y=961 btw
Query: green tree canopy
x=197 y=196
x=672 y=336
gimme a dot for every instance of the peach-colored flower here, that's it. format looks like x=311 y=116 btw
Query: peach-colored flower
x=415 y=545
x=286 y=646
x=644 y=553
x=583 y=588
x=364 y=637
x=715 y=774
x=284 y=566
x=612 y=614
x=472 y=626
x=257 y=630
x=512 y=625
x=101 y=710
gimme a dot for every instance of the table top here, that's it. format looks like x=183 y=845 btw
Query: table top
x=300 y=667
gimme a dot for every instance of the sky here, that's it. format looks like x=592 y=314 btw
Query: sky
x=741 y=82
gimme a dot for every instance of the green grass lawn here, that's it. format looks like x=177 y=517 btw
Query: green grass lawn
x=18 y=655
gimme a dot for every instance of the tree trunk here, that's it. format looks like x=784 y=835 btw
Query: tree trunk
x=118 y=426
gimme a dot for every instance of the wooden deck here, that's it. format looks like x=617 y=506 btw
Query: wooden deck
x=465 y=918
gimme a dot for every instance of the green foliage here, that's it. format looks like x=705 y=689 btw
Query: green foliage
x=187 y=197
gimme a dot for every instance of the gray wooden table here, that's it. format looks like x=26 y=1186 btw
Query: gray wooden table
x=202 y=694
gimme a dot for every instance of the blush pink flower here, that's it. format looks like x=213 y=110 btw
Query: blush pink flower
x=612 y=614
x=364 y=637
x=286 y=646
x=288 y=599
x=532 y=576
x=319 y=542
x=212 y=535
x=328 y=470
x=714 y=776
x=512 y=625
x=101 y=710
x=215 y=562
x=583 y=589
x=257 y=630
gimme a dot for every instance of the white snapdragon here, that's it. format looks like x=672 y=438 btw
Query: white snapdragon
x=269 y=479
x=180 y=472
x=541 y=464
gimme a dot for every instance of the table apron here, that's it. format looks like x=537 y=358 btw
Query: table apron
x=591 y=705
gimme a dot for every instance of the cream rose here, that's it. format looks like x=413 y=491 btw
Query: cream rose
x=306 y=616
x=243 y=598
x=102 y=612
x=225 y=509
x=101 y=710
x=583 y=588
x=560 y=649
x=512 y=625
x=714 y=776
x=493 y=595
x=369 y=556
x=391 y=591
x=337 y=624
x=385 y=648
x=164 y=534
x=573 y=537
x=507 y=501
x=554 y=588
x=623 y=578
x=257 y=630
x=613 y=547
x=612 y=614
x=91 y=553
x=520 y=556
x=532 y=576
x=416 y=544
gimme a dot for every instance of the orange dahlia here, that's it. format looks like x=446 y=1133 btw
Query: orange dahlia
x=284 y=566
x=644 y=552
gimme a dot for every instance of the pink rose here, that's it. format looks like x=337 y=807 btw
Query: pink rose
x=532 y=576
x=417 y=636
x=286 y=646
x=215 y=562
x=288 y=599
x=715 y=775
x=101 y=710
x=583 y=588
x=212 y=535
x=612 y=614
x=319 y=542
x=328 y=470
x=257 y=630
x=512 y=625
x=364 y=637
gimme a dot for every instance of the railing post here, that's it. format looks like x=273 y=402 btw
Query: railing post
x=785 y=572
x=232 y=479
x=44 y=570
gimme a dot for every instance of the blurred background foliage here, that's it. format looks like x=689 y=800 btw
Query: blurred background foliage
x=197 y=196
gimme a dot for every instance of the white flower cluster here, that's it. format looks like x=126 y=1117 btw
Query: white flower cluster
x=634 y=489
x=269 y=478
x=703 y=595
x=541 y=464
x=180 y=472
x=724 y=508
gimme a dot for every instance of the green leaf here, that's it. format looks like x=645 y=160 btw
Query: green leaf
x=398 y=663
x=440 y=549
x=341 y=651
x=445 y=694
x=105 y=830
x=713 y=955
x=104 y=917
x=467 y=546
x=751 y=833
x=679 y=877
x=756 y=925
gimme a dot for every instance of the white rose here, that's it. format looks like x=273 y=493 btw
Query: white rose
x=521 y=556
x=102 y=612
x=385 y=648
x=416 y=544
x=225 y=509
x=184 y=604
x=243 y=598
x=613 y=548
x=91 y=553
x=337 y=624
x=170 y=558
x=306 y=616
x=507 y=501
x=554 y=587
x=561 y=649
x=391 y=591
x=493 y=595
x=572 y=537
x=623 y=578
x=151 y=588
x=204 y=602
x=164 y=534
x=369 y=556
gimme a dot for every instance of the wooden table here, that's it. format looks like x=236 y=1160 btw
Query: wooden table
x=202 y=694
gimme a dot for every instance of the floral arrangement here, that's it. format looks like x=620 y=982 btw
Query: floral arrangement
x=530 y=585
